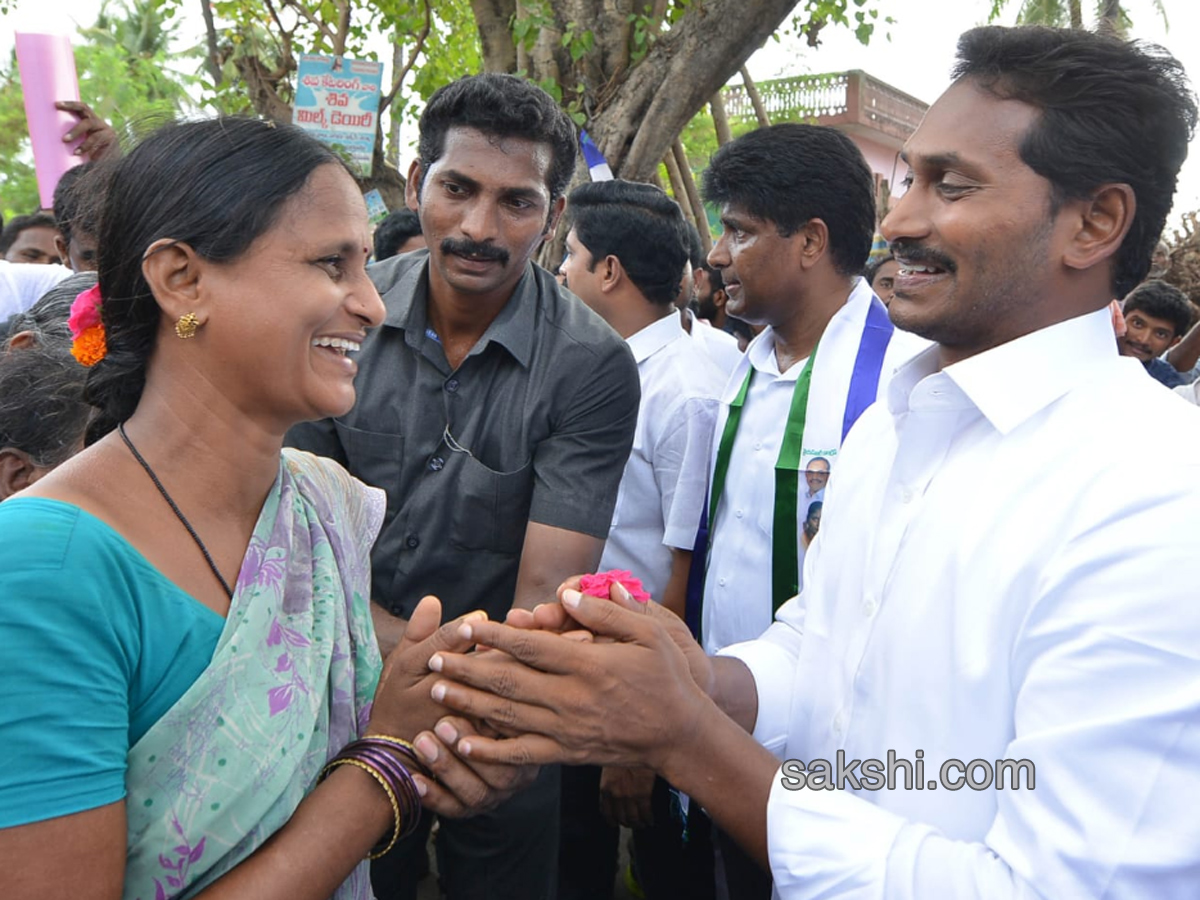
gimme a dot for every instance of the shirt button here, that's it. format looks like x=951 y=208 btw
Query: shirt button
x=436 y=464
x=452 y=385
x=839 y=723
x=758 y=445
x=412 y=542
x=739 y=513
x=906 y=495
x=721 y=582
x=869 y=607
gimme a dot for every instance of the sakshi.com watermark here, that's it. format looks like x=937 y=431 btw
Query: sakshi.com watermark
x=909 y=774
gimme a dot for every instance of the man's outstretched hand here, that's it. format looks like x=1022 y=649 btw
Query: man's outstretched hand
x=628 y=698
x=99 y=140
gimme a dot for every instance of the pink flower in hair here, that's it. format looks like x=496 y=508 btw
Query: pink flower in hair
x=90 y=343
x=597 y=585
x=85 y=311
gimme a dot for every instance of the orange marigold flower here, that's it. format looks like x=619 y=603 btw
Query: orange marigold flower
x=90 y=347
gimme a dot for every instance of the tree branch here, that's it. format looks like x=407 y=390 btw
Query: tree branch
x=720 y=119
x=760 y=111
x=212 y=60
x=343 y=28
x=660 y=94
x=659 y=13
x=302 y=11
x=418 y=47
x=677 y=186
x=693 y=195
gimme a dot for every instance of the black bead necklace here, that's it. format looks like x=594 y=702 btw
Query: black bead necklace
x=175 y=509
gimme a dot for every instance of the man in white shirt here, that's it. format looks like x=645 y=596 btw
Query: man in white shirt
x=985 y=593
x=798 y=206
x=720 y=345
x=22 y=284
x=625 y=256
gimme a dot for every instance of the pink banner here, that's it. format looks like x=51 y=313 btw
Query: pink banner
x=48 y=74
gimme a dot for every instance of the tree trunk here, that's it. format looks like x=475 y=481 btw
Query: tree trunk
x=1076 y=12
x=635 y=108
x=641 y=112
x=492 y=18
x=693 y=195
x=677 y=186
x=261 y=89
x=720 y=119
x=760 y=111
x=396 y=117
x=384 y=178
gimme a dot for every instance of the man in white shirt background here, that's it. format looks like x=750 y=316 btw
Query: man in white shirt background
x=722 y=346
x=798 y=207
x=626 y=254
x=984 y=588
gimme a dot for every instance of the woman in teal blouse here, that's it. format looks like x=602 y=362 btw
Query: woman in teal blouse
x=183 y=607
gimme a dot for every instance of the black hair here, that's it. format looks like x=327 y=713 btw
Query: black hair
x=47 y=319
x=873 y=267
x=739 y=328
x=715 y=279
x=1111 y=112
x=1163 y=301
x=501 y=106
x=42 y=411
x=392 y=233
x=17 y=224
x=815 y=507
x=215 y=185
x=639 y=225
x=76 y=205
x=790 y=174
x=695 y=246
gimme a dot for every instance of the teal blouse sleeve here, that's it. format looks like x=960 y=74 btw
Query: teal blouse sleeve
x=97 y=646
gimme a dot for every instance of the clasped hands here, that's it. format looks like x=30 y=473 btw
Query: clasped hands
x=584 y=680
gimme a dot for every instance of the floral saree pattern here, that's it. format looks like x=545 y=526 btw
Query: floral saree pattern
x=290 y=683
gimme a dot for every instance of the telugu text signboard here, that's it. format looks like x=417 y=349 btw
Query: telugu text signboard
x=337 y=99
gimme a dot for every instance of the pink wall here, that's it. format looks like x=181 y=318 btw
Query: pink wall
x=883 y=160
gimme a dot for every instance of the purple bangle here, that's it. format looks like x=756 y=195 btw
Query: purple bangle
x=400 y=780
x=382 y=757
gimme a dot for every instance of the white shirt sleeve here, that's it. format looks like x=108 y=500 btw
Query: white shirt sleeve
x=771 y=660
x=681 y=459
x=1106 y=688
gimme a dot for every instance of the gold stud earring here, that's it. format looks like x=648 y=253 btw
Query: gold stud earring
x=186 y=326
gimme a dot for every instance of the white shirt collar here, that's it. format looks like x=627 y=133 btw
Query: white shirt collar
x=761 y=351
x=1011 y=383
x=655 y=336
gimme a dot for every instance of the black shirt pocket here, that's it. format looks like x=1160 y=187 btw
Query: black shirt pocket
x=375 y=458
x=491 y=509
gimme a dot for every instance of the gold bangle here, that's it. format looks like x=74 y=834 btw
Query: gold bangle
x=378 y=776
x=399 y=742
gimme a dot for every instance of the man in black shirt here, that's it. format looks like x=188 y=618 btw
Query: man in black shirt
x=497 y=411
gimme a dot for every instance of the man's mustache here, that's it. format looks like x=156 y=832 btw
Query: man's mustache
x=922 y=256
x=475 y=249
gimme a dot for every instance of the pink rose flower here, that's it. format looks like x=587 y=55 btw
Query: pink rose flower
x=85 y=311
x=597 y=585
